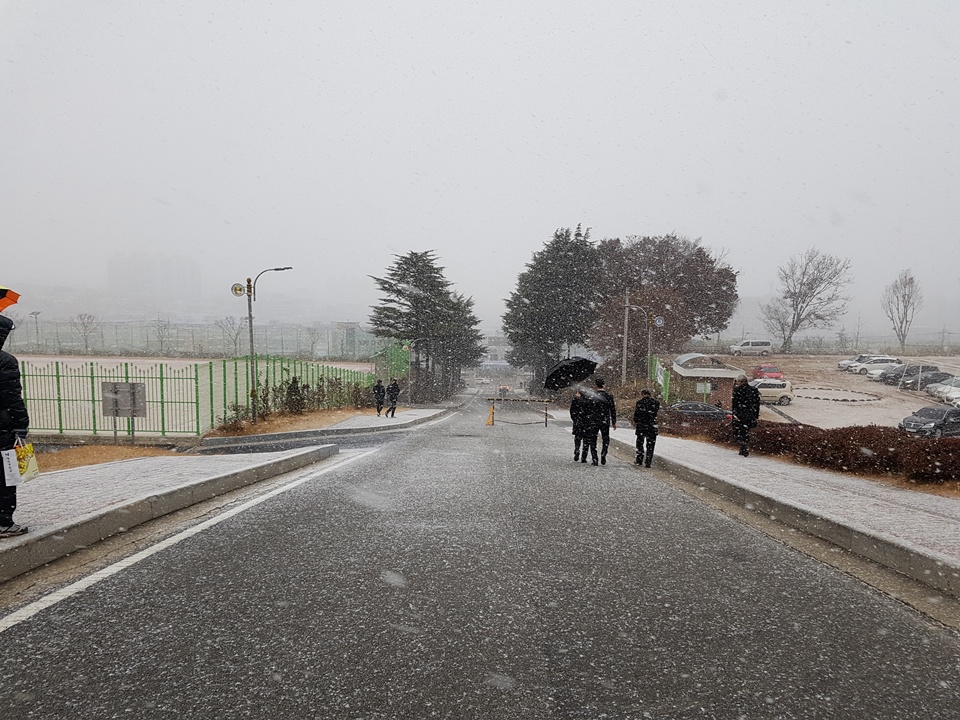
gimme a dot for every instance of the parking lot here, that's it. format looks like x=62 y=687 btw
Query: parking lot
x=827 y=397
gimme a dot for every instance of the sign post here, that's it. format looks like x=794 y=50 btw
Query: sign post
x=123 y=400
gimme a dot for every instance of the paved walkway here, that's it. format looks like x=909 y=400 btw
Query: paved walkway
x=915 y=533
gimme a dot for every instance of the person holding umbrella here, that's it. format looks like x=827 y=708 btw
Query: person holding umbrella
x=14 y=423
x=585 y=411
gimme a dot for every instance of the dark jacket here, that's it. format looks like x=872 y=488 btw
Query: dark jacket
x=586 y=412
x=608 y=408
x=393 y=392
x=645 y=414
x=746 y=405
x=379 y=391
x=14 y=419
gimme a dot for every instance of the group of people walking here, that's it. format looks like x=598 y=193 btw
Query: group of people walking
x=389 y=393
x=593 y=411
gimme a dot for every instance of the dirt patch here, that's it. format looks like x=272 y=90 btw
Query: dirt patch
x=71 y=457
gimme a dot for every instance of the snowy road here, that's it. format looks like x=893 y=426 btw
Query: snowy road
x=469 y=571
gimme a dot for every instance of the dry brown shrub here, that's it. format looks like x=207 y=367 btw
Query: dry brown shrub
x=867 y=450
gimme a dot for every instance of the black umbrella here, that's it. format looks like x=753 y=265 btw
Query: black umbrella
x=569 y=371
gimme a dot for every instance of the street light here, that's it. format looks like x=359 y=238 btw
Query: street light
x=36 y=324
x=251 y=292
x=627 y=307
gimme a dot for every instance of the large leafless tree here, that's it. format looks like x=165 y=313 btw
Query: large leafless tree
x=86 y=326
x=811 y=295
x=901 y=300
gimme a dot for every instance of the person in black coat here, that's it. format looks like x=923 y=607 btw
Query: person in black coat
x=585 y=411
x=14 y=423
x=379 y=393
x=645 y=425
x=746 y=411
x=608 y=417
x=393 y=394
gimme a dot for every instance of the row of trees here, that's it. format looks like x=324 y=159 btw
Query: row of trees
x=813 y=295
x=419 y=309
x=577 y=292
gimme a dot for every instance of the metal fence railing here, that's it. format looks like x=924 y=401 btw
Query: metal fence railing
x=182 y=398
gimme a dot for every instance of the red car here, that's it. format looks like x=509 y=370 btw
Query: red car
x=767 y=371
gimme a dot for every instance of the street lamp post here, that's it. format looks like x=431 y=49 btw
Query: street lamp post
x=251 y=292
x=36 y=324
x=627 y=307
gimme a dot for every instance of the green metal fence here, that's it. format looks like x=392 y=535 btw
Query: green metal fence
x=181 y=398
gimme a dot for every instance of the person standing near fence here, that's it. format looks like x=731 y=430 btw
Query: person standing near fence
x=379 y=393
x=645 y=425
x=14 y=423
x=393 y=394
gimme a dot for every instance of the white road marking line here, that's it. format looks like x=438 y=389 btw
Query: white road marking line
x=28 y=611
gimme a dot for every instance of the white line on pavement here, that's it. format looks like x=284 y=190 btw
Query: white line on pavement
x=28 y=611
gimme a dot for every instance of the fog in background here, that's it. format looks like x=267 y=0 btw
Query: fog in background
x=154 y=153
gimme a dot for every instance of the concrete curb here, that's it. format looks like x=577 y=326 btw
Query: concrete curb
x=30 y=551
x=298 y=438
x=921 y=564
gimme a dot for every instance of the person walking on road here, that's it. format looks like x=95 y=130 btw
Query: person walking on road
x=393 y=394
x=585 y=414
x=608 y=418
x=645 y=425
x=379 y=393
x=746 y=411
x=14 y=423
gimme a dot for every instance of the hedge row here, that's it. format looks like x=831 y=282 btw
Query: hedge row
x=868 y=450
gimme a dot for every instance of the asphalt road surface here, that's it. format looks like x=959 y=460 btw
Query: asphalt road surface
x=468 y=571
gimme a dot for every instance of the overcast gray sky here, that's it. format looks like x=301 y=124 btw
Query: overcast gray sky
x=330 y=135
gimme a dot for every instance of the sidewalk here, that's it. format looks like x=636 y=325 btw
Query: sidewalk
x=914 y=533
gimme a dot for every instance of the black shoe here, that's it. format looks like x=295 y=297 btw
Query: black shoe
x=638 y=461
x=12 y=530
x=584 y=459
x=594 y=463
x=646 y=464
x=603 y=459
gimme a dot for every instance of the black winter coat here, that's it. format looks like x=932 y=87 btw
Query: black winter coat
x=14 y=419
x=393 y=392
x=645 y=414
x=586 y=413
x=746 y=405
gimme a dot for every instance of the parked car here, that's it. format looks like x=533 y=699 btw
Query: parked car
x=876 y=375
x=905 y=373
x=844 y=364
x=927 y=377
x=702 y=410
x=941 y=389
x=933 y=421
x=767 y=371
x=880 y=361
x=774 y=391
x=752 y=347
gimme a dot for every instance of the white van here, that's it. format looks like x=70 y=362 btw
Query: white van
x=752 y=347
x=774 y=391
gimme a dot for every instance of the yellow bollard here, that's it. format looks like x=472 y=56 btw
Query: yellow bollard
x=490 y=416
